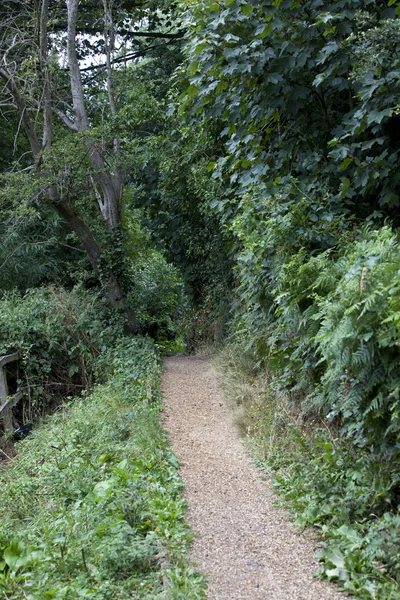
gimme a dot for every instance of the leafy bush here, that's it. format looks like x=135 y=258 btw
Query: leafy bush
x=92 y=505
x=305 y=101
x=158 y=294
x=340 y=314
x=308 y=90
x=58 y=334
x=156 y=290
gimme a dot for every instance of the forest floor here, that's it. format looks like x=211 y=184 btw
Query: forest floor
x=245 y=545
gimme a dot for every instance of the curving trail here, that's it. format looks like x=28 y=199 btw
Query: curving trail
x=248 y=548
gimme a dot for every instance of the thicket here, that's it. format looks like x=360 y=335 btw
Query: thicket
x=60 y=332
x=92 y=506
x=305 y=99
x=306 y=191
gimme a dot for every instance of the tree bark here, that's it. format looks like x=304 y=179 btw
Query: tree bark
x=81 y=119
x=109 y=45
x=110 y=189
x=44 y=68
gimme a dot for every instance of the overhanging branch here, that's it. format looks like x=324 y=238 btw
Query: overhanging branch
x=153 y=34
x=123 y=59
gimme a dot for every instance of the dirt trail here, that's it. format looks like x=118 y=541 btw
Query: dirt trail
x=248 y=548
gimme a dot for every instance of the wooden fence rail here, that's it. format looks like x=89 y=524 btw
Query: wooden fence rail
x=7 y=402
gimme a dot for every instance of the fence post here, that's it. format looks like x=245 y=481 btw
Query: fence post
x=6 y=402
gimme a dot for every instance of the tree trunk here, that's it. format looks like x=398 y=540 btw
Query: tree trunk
x=107 y=191
x=117 y=299
x=113 y=290
x=110 y=190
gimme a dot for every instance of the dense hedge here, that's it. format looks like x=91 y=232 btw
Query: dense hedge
x=304 y=97
x=333 y=334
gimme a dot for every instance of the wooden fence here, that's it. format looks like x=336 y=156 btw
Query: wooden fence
x=7 y=402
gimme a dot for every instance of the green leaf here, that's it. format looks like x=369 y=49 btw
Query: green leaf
x=72 y=370
x=192 y=92
x=246 y=9
x=345 y=163
x=102 y=489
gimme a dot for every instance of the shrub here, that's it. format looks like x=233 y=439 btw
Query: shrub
x=158 y=295
x=58 y=334
x=340 y=312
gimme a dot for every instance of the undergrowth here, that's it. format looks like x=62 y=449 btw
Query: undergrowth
x=91 y=506
x=349 y=496
x=58 y=334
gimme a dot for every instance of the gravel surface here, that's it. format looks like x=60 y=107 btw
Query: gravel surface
x=246 y=546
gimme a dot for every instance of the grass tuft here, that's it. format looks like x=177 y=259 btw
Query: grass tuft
x=258 y=410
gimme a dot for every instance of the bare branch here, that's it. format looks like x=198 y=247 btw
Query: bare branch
x=17 y=134
x=123 y=59
x=143 y=34
x=21 y=107
x=65 y=119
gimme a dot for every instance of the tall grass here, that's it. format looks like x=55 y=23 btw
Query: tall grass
x=262 y=414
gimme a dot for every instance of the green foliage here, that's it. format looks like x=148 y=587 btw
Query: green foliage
x=158 y=293
x=58 y=334
x=92 y=506
x=305 y=100
x=171 y=180
x=300 y=91
x=37 y=248
x=339 y=314
x=349 y=498
x=155 y=287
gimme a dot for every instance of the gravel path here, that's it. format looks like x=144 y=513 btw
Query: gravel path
x=248 y=548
